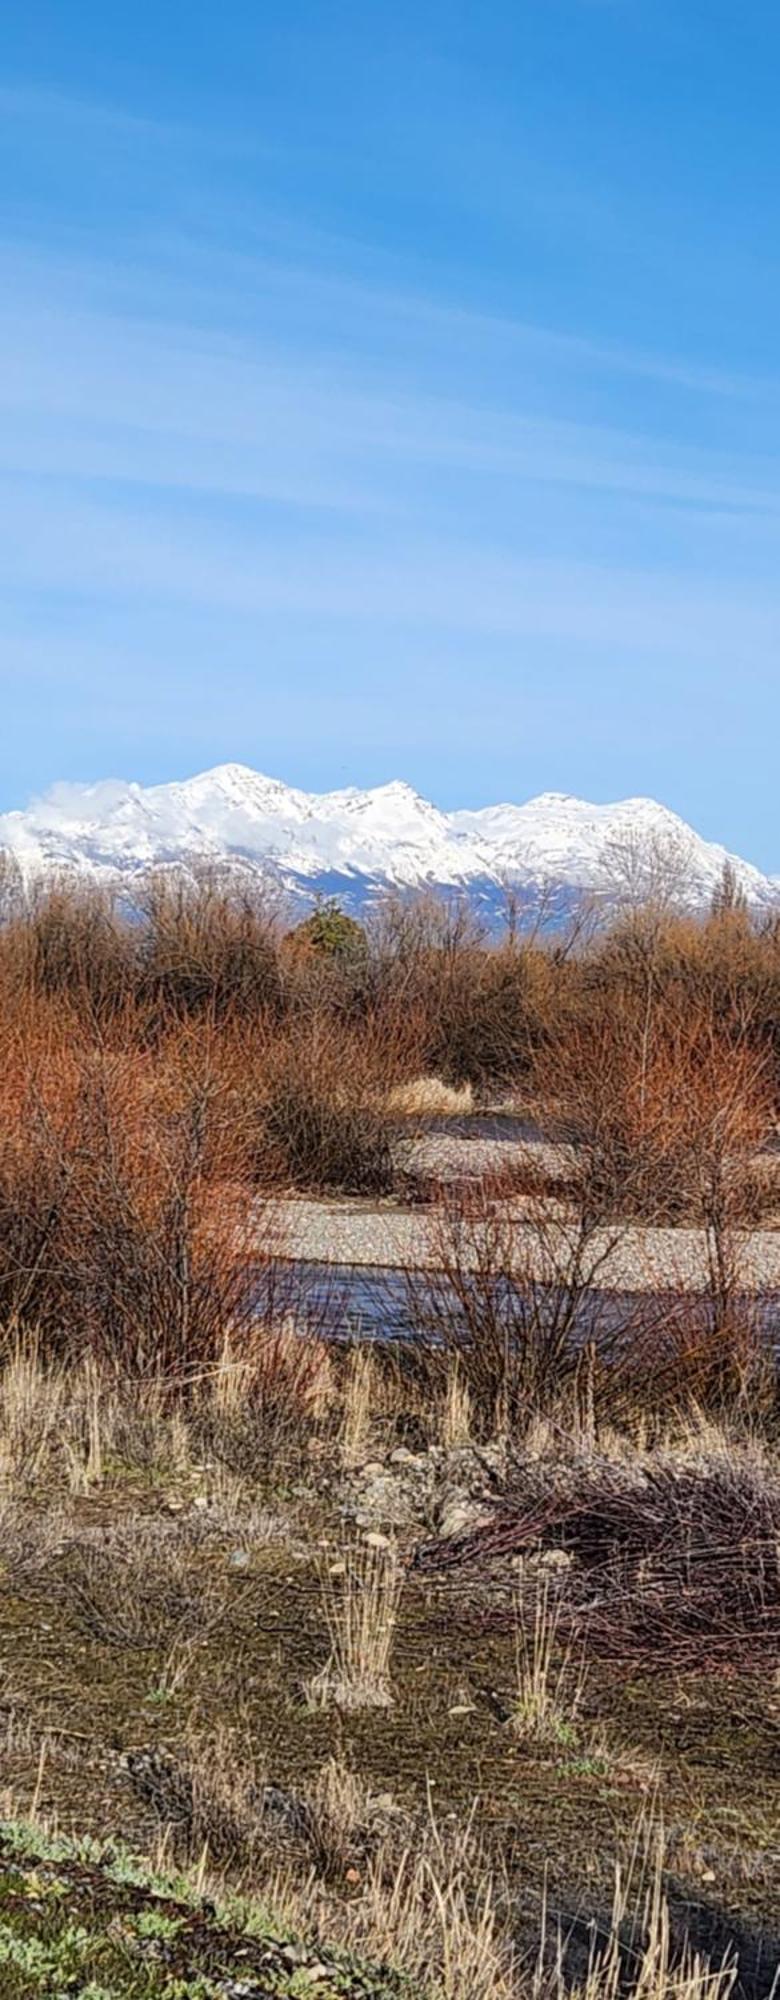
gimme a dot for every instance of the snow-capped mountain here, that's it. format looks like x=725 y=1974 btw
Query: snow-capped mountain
x=355 y=842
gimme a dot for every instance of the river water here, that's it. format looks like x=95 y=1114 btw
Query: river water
x=371 y=1302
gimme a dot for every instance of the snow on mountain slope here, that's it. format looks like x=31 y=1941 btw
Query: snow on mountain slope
x=360 y=838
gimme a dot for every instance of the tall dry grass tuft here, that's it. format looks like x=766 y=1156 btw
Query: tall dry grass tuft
x=441 y=1920
x=359 y=1395
x=33 y=1400
x=640 y=1952
x=361 y=1596
x=548 y=1686
x=429 y=1097
x=267 y=1399
x=457 y=1415
x=443 y=1916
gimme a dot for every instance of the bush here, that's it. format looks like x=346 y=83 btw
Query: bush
x=124 y=1202
x=324 y=1123
x=208 y=946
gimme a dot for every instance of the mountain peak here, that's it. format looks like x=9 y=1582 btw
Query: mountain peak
x=353 y=842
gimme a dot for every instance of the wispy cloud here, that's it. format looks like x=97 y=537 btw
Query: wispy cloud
x=95 y=394
x=254 y=476
x=258 y=471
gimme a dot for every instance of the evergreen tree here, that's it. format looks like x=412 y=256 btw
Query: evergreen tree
x=332 y=933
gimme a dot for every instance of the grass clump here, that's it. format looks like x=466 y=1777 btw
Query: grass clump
x=361 y=1595
x=547 y=1692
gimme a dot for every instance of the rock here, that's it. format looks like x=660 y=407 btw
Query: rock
x=460 y=1515
x=555 y=1560
x=382 y=1501
x=414 y=1490
x=242 y=1989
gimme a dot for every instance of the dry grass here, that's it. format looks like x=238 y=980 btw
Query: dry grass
x=429 y=1097
x=639 y=1950
x=32 y=1400
x=443 y=1916
x=548 y=1688
x=457 y=1416
x=359 y=1395
x=361 y=1594
x=150 y=1602
x=146 y=1587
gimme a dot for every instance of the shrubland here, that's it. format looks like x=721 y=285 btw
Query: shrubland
x=455 y=1658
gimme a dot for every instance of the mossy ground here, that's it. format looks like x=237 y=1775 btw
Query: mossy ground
x=703 y=1755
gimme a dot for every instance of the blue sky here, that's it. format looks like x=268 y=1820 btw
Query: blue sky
x=394 y=391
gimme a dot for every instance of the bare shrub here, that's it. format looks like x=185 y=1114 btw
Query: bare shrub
x=690 y=1354
x=508 y=1296
x=208 y=945
x=69 y=944
x=124 y=1203
x=324 y=1122
x=723 y=1113
x=478 y=1009
x=664 y=1117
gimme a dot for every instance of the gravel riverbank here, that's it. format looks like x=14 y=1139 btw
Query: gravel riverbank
x=629 y=1258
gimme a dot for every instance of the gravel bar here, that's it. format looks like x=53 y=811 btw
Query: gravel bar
x=634 y=1259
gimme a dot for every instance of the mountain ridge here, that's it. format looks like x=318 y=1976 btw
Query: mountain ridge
x=363 y=840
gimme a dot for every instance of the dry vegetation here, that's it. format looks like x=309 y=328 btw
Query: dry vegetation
x=236 y=1618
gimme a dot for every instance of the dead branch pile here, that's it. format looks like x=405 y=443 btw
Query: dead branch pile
x=679 y=1564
